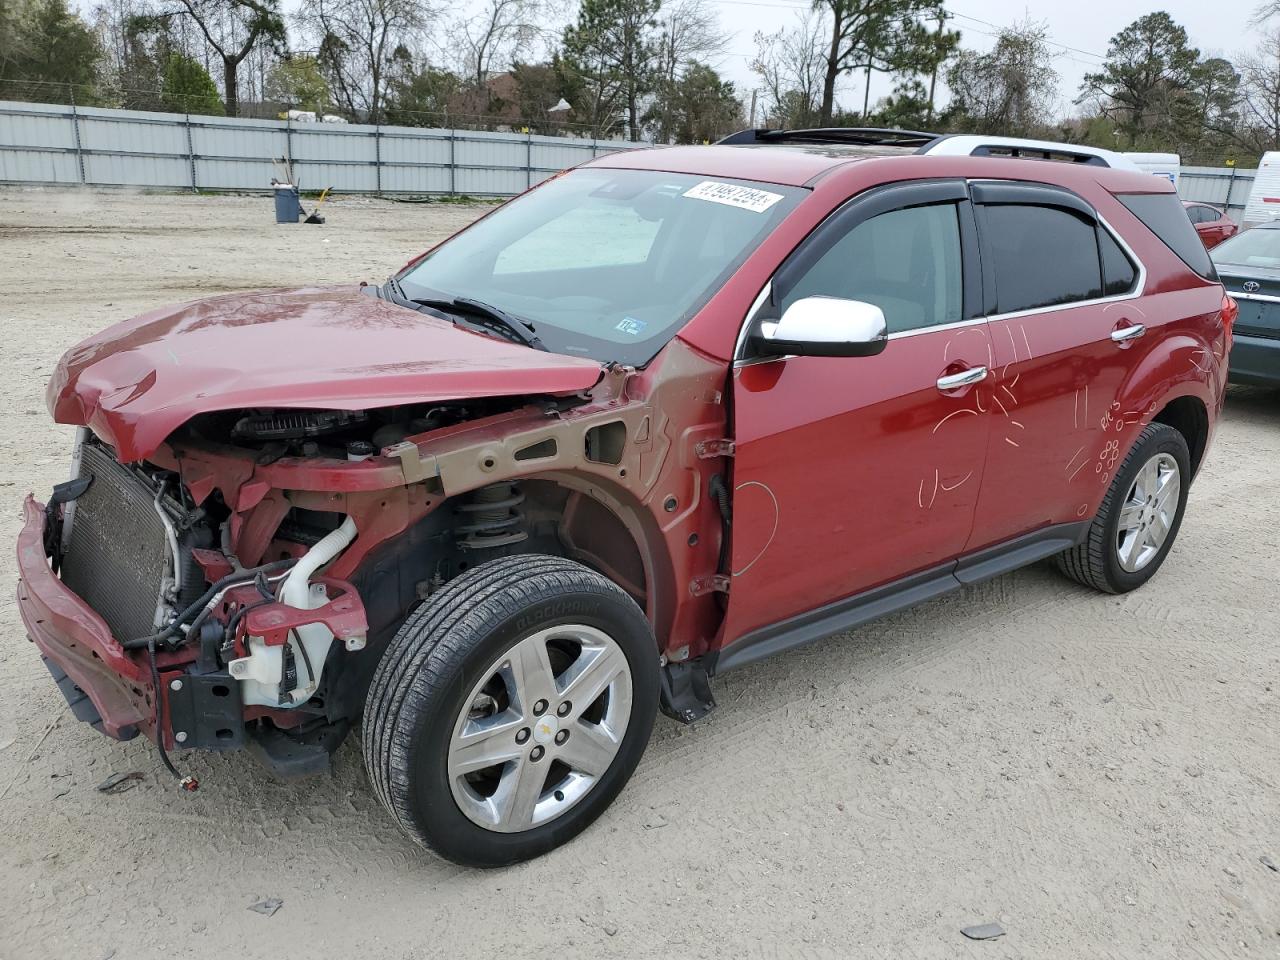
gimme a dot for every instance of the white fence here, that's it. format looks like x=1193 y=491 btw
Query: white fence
x=53 y=144
x=1224 y=187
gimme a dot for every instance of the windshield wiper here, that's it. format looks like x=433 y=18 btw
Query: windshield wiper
x=518 y=327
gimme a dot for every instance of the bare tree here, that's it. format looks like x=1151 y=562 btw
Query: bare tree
x=356 y=41
x=689 y=34
x=1009 y=90
x=791 y=67
x=1260 y=94
x=500 y=34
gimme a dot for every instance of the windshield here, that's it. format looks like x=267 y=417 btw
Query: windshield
x=605 y=263
x=1259 y=247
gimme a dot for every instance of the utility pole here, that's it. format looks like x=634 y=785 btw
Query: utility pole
x=866 y=94
x=937 y=62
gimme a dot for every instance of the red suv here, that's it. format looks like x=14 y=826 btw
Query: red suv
x=664 y=415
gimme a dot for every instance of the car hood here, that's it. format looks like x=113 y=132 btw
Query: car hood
x=314 y=348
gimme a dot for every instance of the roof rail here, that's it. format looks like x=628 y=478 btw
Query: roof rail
x=936 y=144
x=975 y=145
x=859 y=136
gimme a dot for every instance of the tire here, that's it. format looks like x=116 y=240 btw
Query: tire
x=464 y=673
x=1106 y=561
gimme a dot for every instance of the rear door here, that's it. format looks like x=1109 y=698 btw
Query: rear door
x=1065 y=329
x=854 y=472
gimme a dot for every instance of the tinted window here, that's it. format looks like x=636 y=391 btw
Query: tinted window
x=1198 y=214
x=1164 y=216
x=1043 y=256
x=906 y=262
x=1118 y=271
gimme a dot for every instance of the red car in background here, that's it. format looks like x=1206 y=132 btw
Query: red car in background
x=667 y=414
x=1211 y=224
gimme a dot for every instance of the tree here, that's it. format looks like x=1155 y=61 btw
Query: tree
x=1260 y=95
x=232 y=29
x=498 y=35
x=909 y=107
x=926 y=53
x=791 y=68
x=1008 y=91
x=10 y=47
x=1148 y=68
x=613 y=47
x=44 y=42
x=356 y=40
x=541 y=86
x=703 y=107
x=419 y=96
x=1213 y=107
x=298 y=82
x=188 y=88
x=689 y=33
x=870 y=35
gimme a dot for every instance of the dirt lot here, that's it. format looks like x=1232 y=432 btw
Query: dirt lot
x=1100 y=775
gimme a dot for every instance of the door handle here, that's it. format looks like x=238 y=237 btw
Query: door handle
x=1124 y=334
x=962 y=379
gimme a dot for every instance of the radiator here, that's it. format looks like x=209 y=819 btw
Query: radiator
x=118 y=551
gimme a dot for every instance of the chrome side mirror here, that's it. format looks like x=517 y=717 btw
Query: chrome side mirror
x=825 y=327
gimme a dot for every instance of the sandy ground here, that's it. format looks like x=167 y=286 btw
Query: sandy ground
x=1098 y=774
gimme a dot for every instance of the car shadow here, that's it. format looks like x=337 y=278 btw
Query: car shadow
x=1254 y=403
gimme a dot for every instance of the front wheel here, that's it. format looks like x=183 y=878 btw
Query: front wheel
x=1139 y=518
x=510 y=709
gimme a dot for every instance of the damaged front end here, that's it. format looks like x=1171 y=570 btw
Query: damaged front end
x=150 y=623
x=236 y=583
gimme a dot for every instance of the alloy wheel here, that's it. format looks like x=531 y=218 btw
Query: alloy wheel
x=1148 y=512
x=540 y=728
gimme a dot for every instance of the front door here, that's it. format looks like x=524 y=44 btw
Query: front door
x=854 y=472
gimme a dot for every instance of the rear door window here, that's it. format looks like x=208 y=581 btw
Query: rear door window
x=1163 y=215
x=1042 y=256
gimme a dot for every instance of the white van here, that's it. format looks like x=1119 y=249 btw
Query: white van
x=1161 y=164
x=1264 y=197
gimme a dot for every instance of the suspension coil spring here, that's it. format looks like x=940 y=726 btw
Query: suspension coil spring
x=492 y=518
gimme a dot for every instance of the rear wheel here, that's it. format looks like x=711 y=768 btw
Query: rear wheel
x=510 y=709
x=1139 y=518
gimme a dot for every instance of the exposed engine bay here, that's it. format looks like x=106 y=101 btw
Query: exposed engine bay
x=160 y=571
x=337 y=434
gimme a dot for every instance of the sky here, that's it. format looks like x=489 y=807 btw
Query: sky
x=1079 y=30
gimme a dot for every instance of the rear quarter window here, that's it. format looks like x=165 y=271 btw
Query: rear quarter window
x=1164 y=215
x=1118 y=272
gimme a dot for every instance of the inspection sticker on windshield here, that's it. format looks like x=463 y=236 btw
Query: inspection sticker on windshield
x=730 y=194
x=631 y=325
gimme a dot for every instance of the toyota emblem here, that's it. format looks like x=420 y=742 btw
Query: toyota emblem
x=1251 y=286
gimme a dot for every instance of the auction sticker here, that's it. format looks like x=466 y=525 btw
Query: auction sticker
x=730 y=194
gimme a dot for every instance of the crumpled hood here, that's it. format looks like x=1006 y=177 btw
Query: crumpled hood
x=318 y=348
